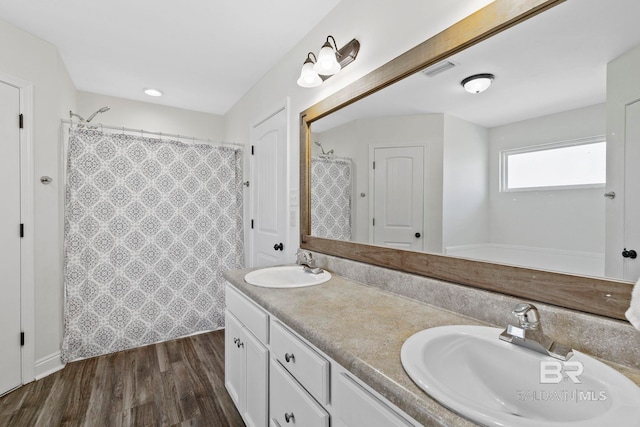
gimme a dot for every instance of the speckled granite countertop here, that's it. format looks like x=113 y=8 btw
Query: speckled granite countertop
x=363 y=329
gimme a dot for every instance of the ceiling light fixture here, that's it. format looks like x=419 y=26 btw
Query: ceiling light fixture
x=478 y=82
x=329 y=61
x=153 y=92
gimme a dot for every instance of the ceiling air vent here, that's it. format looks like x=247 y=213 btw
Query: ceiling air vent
x=438 y=68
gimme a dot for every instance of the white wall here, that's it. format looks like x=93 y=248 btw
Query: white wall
x=151 y=117
x=29 y=58
x=384 y=29
x=560 y=219
x=465 y=183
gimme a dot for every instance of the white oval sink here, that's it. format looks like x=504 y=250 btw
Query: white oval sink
x=290 y=276
x=495 y=383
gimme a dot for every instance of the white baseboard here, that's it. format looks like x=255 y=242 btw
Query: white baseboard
x=48 y=365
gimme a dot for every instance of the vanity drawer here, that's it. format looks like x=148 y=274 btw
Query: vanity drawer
x=250 y=315
x=304 y=363
x=290 y=404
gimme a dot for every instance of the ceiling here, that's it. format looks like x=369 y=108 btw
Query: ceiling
x=203 y=54
x=554 y=62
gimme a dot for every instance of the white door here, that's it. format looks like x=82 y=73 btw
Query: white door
x=268 y=189
x=398 y=197
x=631 y=191
x=10 y=351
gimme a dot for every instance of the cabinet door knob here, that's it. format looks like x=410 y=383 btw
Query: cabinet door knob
x=629 y=253
x=278 y=246
x=288 y=417
x=240 y=344
x=288 y=357
x=235 y=340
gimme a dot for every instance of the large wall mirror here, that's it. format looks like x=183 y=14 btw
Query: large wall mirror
x=522 y=189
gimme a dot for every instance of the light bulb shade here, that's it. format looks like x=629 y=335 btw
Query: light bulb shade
x=327 y=64
x=308 y=77
x=477 y=83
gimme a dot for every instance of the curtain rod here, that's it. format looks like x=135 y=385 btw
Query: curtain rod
x=147 y=132
x=332 y=157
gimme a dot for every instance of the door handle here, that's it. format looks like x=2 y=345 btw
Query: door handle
x=278 y=247
x=418 y=235
x=629 y=253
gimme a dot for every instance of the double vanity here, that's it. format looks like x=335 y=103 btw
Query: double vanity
x=341 y=353
x=277 y=377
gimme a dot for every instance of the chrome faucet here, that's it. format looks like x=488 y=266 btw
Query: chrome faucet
x=529 y=334
x=305 y=259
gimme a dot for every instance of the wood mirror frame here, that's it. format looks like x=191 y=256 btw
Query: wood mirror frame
x=598 y=296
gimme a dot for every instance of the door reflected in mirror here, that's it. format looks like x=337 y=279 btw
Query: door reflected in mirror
x=423 y=165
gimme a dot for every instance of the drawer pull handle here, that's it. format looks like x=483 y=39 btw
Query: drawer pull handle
x=289 y=357
x=288 y=417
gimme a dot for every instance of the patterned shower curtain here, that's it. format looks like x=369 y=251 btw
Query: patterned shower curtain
x=331 y=198
x=150 y=225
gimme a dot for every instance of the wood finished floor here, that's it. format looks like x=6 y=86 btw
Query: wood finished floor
x=176 y=383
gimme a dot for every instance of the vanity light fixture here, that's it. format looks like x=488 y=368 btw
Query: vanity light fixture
x=329 y=61
x=153 y=92
x=477 y=83
x=308 y=76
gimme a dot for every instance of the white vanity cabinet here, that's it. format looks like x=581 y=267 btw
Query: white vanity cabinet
x=277 y=378
x=309 y=387
x=247 y=358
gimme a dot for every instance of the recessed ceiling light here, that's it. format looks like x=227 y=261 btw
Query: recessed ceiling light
x=153 y=92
